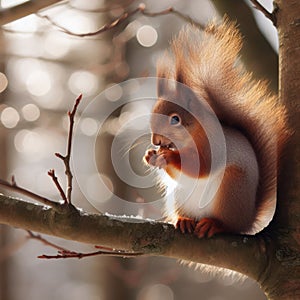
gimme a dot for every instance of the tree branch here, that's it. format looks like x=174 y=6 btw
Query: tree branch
x=137 y=235
x=66 y=253
x=261 y=8
x=126 y=15
x=51 y=173
x=15 y=188
x=67 y=157
x=22 y=10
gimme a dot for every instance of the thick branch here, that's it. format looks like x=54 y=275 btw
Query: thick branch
x=17 y=12
x=289 y=61
x=246 y=254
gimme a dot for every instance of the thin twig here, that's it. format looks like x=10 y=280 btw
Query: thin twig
x=14 y=187
x=72 y=254
x=67 y=157
x=175 y=12
x=262 y=9
x=44 y=241
x=65 y=253
x=51 y=173
x=122 y=18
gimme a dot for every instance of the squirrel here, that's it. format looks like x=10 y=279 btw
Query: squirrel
x=204 y=91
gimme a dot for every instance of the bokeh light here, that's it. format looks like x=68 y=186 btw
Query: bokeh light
x=3 y=82
x=30 y=112
x=147 y=36
x=83 y=82
x=38 y=83
x=28 y=142
x=114 y=93
x=89 y=126
x=9 y=117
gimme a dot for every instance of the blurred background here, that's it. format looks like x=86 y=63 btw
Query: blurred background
x=42 y=71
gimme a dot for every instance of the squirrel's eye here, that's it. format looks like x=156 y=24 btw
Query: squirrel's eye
x=175 y=119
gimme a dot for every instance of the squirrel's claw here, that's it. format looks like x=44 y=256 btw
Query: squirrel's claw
x=186 y=225
x=150 y=156
x=207 y=227
x=155 y=159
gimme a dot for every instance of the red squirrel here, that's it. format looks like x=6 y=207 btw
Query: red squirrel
x=252 y=131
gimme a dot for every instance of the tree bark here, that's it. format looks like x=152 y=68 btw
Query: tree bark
x=282 y=280
x=244 y=254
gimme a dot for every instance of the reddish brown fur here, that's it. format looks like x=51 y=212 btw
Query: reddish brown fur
x=190 y=153
x=207 y=63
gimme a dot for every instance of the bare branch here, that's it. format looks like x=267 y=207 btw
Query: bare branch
x=175 y=12
x=65 y=253
x=104 y=28
x=261 y=8
x=22 y=10
x=122 y=18
x=38 y=237
x=136 y=235
x=66 y=159
x=51 y=173
x=79 y=255
x=15 y=188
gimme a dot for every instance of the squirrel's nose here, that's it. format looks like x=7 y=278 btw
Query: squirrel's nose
x=159 y=140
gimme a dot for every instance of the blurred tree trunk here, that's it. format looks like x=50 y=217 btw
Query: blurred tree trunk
x=4 y=230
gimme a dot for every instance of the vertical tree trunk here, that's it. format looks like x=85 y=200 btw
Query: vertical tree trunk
x=283 y=281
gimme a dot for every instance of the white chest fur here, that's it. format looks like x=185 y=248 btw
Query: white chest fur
x=191 y=196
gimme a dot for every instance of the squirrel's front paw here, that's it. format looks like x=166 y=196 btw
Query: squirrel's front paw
x=155 y=159
x=208 y=227
x=186 y=224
